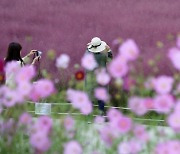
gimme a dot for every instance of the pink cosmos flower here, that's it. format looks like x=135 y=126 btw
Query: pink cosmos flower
x=3 y=90
x=163 y=103
x=80 y=100
x=8 y=97
x=101 y=94
x=25 y=74
x=63 y=61
x=102 y=77
x=107 y=135
x=137 y=105
x=163 y=84
x=149 y=103
x=124 y=148
x=173 y=121
x=177 y=106
x=174 y=146
x=122 y=124
x=88 y=62
x=161 y=149
x=7 y=127
x=86 y=108
x=73 y=147
x=174 y=55
x=141 y=133
x=129 y=147
x=42 y=89
x=24 y=88
x=136 y=146
x=99 y=120
x=40 y=141
x=12 y=67
x=69 y=123
x=25 y=118
x=44 y=123
x=12 y=97
x=70 y=93
x=129 y=50
x=168 y=147
x=113 y=114
x=46 y=87
x=118 y=68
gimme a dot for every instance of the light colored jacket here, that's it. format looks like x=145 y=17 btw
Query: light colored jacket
x=90 y=79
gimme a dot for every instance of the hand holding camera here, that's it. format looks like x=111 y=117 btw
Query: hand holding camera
x=37 y=55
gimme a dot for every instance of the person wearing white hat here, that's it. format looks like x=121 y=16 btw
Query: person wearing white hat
x=103 y=55
x=98 y=46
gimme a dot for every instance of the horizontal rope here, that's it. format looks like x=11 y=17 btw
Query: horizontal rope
x=139 y=119
x=60 y=104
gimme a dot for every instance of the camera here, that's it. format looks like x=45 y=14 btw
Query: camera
x=38 y=53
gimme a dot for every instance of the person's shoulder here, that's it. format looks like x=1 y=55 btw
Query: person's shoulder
x=20 y=63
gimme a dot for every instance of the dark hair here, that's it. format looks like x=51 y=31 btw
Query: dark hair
x=14 y=53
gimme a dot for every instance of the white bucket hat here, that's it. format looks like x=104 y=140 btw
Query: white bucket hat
x=96 y=45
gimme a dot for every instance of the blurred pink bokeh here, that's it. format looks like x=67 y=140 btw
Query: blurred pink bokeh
x=66 y=26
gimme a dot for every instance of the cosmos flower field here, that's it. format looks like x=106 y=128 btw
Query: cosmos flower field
x=142 y=101
x=63 y=134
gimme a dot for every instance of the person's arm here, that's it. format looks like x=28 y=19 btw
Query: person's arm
x=108 y=49
x=26 y=58
x=35 y=59
x=108 y=53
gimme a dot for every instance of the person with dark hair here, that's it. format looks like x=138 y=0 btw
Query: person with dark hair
x=14 y=54
x=103 y=55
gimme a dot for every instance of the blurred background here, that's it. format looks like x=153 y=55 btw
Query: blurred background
x=66 y=26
